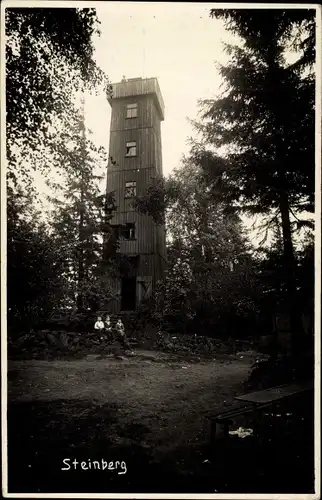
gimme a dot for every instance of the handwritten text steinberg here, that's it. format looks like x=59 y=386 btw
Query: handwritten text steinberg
x=95 y=464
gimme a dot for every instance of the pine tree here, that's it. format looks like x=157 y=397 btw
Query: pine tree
x=49 y=58
x=35 y=282
x=81 y=215
x=265 y=121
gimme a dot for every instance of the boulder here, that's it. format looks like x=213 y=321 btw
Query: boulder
x=248 y=354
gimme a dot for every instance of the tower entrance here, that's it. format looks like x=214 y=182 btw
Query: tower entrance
x=128 y=294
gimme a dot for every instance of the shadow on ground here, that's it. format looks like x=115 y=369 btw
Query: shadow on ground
x=41 y=434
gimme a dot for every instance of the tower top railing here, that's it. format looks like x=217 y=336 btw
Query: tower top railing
x=138 y=86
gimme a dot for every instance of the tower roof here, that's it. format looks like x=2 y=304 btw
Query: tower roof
x=136 y=87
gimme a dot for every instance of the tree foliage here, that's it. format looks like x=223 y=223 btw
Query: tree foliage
x=264 y=120
x=81 y=216
x=35 y=282
x=264 y=123
x=196 y=220
x=173 y=298
x=255 y=155
x=49 y=54
x=49 y=62
x=294 y=28
x=209 y=261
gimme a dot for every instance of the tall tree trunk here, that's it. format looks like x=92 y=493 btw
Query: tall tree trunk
x=288 y=249
x=290 y=270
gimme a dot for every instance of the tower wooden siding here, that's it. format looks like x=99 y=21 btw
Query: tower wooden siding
x=139 y=87
x=145 y=130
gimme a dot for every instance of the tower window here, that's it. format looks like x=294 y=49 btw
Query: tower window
x=128 y=231
x=131 y=148
x=130 y=190
x=131 y=110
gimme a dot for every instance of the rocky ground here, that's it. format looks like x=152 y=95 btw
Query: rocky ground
x=45 y=343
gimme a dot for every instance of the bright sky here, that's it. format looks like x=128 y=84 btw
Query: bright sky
x=176 y=42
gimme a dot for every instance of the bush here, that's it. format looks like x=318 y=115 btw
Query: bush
x=279 y=370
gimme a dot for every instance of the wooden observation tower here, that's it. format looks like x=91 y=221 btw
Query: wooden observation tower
x=135 y=160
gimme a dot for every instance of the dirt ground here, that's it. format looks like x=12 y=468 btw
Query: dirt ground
x=170 y=398
x=149 y=411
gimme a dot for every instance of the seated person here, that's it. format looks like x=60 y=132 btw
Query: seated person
x=108 y=325
x=122 y=336
x=99 y=325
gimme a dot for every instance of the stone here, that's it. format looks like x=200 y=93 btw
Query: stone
x=51 y=339
x=248 y=353
x=91 y=357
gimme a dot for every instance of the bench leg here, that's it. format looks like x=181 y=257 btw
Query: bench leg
x=256 y=421
x=219 y=430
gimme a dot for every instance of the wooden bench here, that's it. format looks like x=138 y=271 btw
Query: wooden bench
x=254 y=403
x=274 y=394
x=277 y=399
